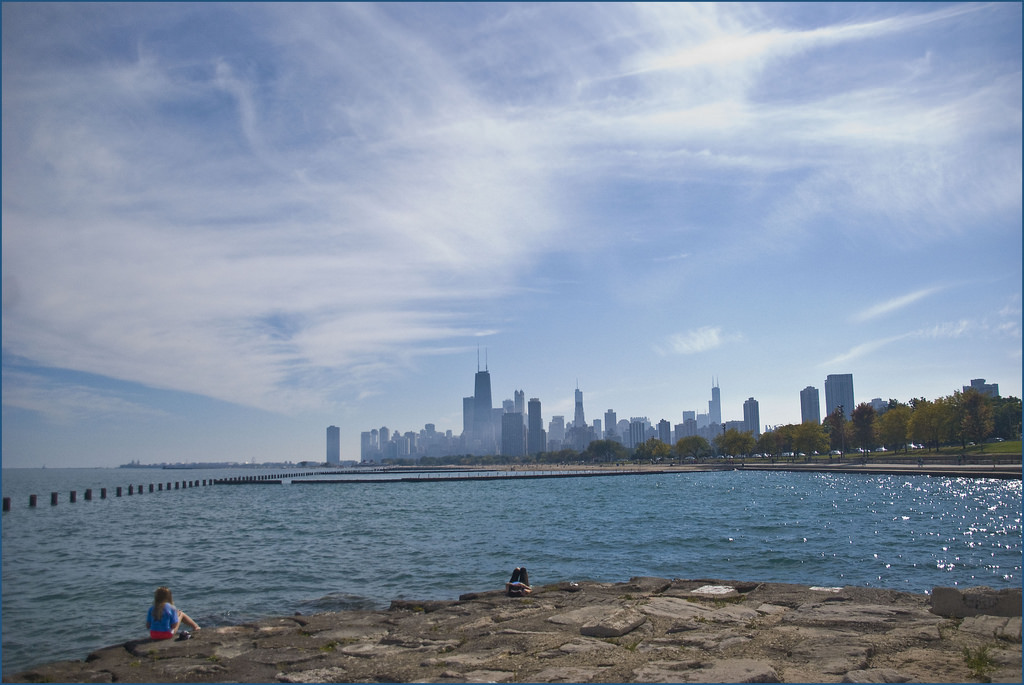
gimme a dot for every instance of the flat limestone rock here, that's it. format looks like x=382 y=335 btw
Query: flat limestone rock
x=676 y=608
x=567 y=675
x=724 y=671
x=334 y=674
x=615 y=624
x=1001 y=627
x=875 y=675
x=646 y=630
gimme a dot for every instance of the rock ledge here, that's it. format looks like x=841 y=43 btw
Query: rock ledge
x=644 y=630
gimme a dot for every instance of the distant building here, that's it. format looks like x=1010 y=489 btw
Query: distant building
x=665 y=432
x=610 y=425
x=578 y=420
x=879 y=405
x=715 y=404
x=333 y=445
x=520 y=402
x=839 y=393
x=483 y=409
x=987 y=389
x=536 y=437
x=810 y=407
x=637 y=431
x=752 y=417
x=598 y=433
x=513 y=435
x=556 y=432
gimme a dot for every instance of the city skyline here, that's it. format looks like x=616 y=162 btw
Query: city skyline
x=227 y=227
x=531 y=430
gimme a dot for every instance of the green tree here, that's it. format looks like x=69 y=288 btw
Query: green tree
x=653 y=450
x=1006 y=416
x=838 y=430
x=976 y=422
x=692 y=446
x=930 y=423
x=863 y=420
x=893 y=427
x=735 y=442
x=605 y=451
x=809 y=438
x=770 y=443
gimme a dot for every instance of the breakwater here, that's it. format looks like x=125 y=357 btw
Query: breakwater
x=645 y=630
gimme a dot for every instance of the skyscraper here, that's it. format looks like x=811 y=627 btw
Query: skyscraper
x=810 y=407
x=483 y=427
x=578 y=420
x=839 y=393
x=715 y=404
x=513 y=435
x=520 y=402
x=333 y=445
x=665 y=432
x=610 y=425
x=536 y=438
x=752 y=417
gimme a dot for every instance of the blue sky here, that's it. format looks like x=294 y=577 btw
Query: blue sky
x=226 y=227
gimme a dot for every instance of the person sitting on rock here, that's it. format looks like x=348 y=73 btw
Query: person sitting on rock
x=519 y=585
x=163 y=618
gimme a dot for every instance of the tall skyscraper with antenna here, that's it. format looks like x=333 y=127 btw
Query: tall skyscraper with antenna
x=578 y=420
x=483 y=429
x=715 y=404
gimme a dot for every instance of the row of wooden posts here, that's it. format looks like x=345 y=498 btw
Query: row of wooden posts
x=33 y=500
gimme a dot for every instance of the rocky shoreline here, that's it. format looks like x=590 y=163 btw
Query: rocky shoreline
x=643 y=630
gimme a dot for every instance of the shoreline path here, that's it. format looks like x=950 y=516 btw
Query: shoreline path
x=643 y=630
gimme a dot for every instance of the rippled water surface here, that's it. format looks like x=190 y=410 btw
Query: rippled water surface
x=80 y=576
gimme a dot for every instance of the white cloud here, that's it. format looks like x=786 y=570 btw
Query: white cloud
x=699 y=340
x=894 y=304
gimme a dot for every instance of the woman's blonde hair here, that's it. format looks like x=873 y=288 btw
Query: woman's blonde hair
x=160 y=597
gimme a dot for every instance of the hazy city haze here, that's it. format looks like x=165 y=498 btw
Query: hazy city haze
x=227 y=227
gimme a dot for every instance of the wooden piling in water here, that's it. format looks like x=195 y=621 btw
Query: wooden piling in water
x=7 y=503
x=118 y=490
x=74 y=496
x=103 y=493
x=88 y=495
x=53 y=499
x=32 y=500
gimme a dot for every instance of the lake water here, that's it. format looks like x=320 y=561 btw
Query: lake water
x=79 y=576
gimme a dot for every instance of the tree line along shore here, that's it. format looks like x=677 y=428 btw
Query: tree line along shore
x=961 y=426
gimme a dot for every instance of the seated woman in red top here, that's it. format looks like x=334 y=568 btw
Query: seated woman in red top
x=163 y=618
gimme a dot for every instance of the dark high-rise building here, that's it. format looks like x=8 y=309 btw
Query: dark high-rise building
x=810 y=407
x=536 y=440
x=665 y=432
x=578 y=420
x=333 y=445
x=513 y=435
x=483 y=425
x=752 y=417
x=839 y=393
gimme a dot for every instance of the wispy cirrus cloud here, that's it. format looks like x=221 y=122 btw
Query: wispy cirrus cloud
x=696 y=341
x=894 y=304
